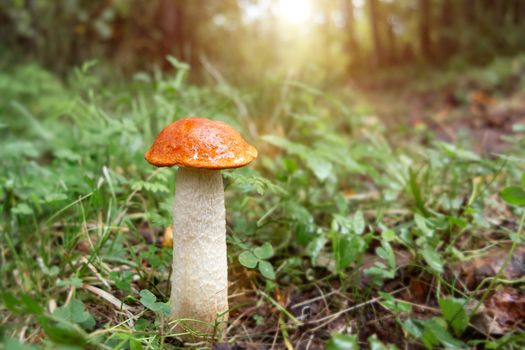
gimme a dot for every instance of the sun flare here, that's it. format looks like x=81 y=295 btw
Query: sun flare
x=294 y=11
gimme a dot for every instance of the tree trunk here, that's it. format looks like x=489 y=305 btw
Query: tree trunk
x=516 y=12
x=352 y=46
x=194 y=18
x=171 y=22
x=447 y=43
x=326 y=33
x=376 y=35
x=469 y=11
x=392 y=46
x=424 y=29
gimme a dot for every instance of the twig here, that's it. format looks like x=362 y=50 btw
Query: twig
x=70 y=295
x=233 y=324
x=309 y=301
x=309 y=342
x=110 y=298
x=332 y=317
x=275 y=337
x=95 y=272
x=281 y=308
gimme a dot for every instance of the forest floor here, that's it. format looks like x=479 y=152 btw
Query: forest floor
x=467 y=113
x=397 y=224
x=475 y=110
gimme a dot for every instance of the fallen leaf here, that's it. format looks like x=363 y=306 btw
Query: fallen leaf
x=481 y=98
x=471 y=273
x=507 y=307
x=502 y=312
x=418 y=291
x=167 y=238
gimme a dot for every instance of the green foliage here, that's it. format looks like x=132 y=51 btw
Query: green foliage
x=347 y=250
x=61 y=327
x=332 y=200
x=149 y=300
x=396 y=306
x=342 y=342
x=250 y=183
x=453 y=311
x=432 y=332
x=432 y=258
x=21 y=305
x=75 y=312
x=384 y=269
x=258 y=257
x=514 y=195
x=13 y=344
x=122 y=280
x=376 y=344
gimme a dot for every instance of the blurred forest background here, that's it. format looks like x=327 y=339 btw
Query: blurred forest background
x=385 y=198
x=250 y=40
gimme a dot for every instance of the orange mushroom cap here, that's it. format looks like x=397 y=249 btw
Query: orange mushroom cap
x=200 y=143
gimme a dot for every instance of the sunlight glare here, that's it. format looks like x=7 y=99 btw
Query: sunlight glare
x=294 y=11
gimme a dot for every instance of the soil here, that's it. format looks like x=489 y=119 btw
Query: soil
x=474 y=118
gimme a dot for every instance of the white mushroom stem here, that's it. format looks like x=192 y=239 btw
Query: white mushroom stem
x=199 y=282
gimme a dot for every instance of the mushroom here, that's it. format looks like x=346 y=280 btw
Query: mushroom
x=199 y=280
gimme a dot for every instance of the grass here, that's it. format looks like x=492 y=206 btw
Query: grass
x=360 y=226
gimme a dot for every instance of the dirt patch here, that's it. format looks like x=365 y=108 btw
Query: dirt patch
x=471 y=117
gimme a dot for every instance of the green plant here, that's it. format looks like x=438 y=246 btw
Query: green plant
x=258 y=257
x=341 y=216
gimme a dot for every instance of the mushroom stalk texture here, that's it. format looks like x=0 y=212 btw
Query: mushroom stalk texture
x=199 y=282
